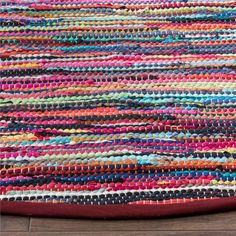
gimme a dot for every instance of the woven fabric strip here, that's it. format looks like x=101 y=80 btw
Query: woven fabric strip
x=117 y=102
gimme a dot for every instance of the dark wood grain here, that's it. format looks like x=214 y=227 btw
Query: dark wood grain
x=205 y=225
x=122 y=233
x=222 y=221
x=14 y=223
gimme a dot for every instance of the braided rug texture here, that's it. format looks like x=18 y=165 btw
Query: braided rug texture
x=117 y=102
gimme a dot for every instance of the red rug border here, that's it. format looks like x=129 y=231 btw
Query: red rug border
x=116 y=211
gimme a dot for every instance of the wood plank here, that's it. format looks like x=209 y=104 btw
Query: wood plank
x=14 y=223
x=125 y=233
x=222 y=221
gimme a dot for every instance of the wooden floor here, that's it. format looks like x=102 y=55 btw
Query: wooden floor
x=205 y=225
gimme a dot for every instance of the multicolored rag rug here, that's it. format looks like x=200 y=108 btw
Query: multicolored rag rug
x=117 y=108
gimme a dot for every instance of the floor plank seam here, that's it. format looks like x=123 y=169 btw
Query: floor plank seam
x=30 y=222
x=12 y=231
x=108 y=231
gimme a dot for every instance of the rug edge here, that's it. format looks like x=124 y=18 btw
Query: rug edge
x=117 y=211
